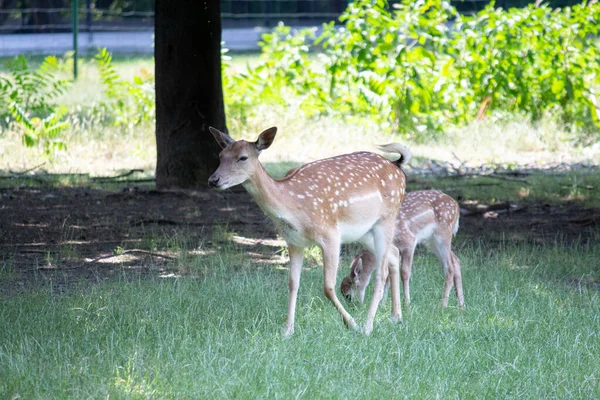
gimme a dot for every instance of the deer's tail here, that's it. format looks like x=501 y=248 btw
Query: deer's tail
x=397 y=148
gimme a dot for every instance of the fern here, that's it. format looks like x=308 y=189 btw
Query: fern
x=25 y=96
x=108 y=75
x=127 y=102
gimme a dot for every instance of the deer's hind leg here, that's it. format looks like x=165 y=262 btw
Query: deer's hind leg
x=383 y=234
x=407 y=254
x=331 y=257
x=440 y=245
x=458 y=281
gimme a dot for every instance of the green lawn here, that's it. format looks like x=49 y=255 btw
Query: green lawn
x=210 y=327
x=531 y=330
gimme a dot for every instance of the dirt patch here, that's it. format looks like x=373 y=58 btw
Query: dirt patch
x=533 y=222
x=63 y=235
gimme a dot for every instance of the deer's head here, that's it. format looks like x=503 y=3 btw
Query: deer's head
x=350 y=285
x=238 y=159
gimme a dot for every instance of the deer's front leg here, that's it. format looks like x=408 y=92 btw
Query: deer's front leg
x=331 y=255
x=296 y=259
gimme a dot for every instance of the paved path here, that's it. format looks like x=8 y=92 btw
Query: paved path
x=116 y=42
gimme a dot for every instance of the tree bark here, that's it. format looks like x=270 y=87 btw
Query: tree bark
x=189 y=93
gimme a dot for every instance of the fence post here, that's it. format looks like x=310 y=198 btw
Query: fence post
x=88 y=15
x=75 y=33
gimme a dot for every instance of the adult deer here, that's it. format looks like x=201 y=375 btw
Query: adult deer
x=426 y=216
x=349 y=198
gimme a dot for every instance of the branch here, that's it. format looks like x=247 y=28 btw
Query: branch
x=27 y=170
x=506 y=178
x=112 y=178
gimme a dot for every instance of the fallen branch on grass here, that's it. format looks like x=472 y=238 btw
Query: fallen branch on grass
x=586 y=221
x=158 y=221
x=506 y=178
x=27 y=170
x=451 y=171
x=101 y=179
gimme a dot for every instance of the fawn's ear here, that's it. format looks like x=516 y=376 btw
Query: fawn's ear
x=356 y=267
x=265 y=139
x=222 y=139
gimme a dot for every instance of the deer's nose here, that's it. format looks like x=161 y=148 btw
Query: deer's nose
x=213 y=181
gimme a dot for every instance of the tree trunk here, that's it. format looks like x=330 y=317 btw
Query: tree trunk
x=189 y=94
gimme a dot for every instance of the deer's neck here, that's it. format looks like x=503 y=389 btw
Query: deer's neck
x=267 y=193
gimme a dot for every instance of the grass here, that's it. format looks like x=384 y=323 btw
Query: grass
x=531 y=330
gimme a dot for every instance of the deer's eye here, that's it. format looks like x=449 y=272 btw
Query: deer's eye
x=242 y=158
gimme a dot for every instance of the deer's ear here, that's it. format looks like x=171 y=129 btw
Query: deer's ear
x=265 y=139
x=357 y=267
x=222 y=138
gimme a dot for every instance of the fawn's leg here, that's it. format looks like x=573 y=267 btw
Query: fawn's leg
x=458 y=281
x=405 y=271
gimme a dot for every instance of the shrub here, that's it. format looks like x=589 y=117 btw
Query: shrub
x=421 y=65
x=127 y=103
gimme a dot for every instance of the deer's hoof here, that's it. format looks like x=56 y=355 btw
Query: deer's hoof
x=287 y=332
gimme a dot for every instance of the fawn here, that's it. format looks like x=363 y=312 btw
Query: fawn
x=426 y=216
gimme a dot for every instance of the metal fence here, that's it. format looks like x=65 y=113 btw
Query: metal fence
x=45 y=26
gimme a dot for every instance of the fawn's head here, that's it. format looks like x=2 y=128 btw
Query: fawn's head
x=350 y=285
x=238 y=159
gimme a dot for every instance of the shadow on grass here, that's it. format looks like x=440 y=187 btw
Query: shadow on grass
x=71 y=228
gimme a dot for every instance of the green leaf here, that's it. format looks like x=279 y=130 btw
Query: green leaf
x=557 y=86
